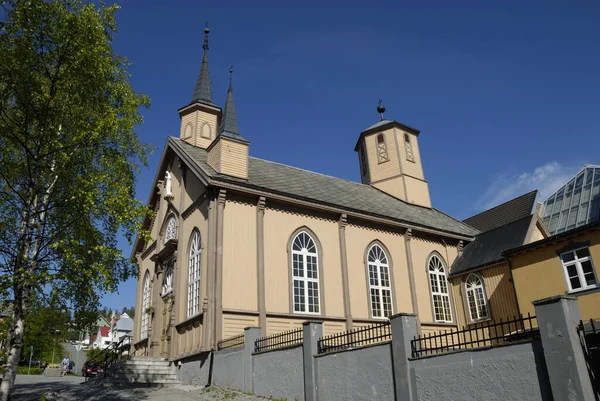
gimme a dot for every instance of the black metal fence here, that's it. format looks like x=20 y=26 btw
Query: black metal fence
x=231 y=342
x=358 y=337
x=492 y=333
x=279 y=340
x=589 y=335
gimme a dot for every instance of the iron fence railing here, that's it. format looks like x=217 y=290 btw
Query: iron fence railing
x=279 y=340
x=589 y=336
x=231 y=342
x=358 y=337
x=492 y=333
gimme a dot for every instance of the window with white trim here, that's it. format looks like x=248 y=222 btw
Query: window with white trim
x=194 y=275
x=476 y=298
x=439 y=289
x=167 y=285
x=171 y=229
x=305 y=275
x=579 y=269
x=379 y=282
x=145 y=306
x=382 y=153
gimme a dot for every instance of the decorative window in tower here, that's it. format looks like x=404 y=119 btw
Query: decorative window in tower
x=476 y=298
x=439 y=289
x=167 y=286
x=408 y=146
x=171 y=229
x=379 y=282
x=305 y=275
x=382 y=153
x=145 y=306
x=194 y=275
x=363 y=161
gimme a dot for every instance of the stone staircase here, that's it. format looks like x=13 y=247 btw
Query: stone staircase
x=139 y=372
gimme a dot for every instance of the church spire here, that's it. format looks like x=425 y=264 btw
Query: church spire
x=229 y=127
x=202 y=91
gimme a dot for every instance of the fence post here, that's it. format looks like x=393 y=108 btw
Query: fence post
x=557 y=319
x=311 y=332
x=404 y=329
x=251 y=334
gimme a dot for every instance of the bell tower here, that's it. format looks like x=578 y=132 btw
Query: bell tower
x=200 y=118
x=390 y=160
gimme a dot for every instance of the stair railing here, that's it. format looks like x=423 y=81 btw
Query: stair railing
x=115 y=353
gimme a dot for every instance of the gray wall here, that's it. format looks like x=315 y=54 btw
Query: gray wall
x=513 y=372
x=228 y=368
x=361 y=374
x=279 y=374
x=195 y=369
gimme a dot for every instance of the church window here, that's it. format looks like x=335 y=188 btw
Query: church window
x=363 y=161
x=305 y=274
x=194 y=275
x=408 y=146
x=439 y=289
x=379 y=282
x=382 y=153
x=476 y=298
x=167 y=286
x=171 y=229
x=145 y=306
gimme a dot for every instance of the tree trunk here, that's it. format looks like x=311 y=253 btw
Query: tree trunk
x=14 y=346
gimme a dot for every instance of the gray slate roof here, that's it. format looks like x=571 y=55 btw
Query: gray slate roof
x=202 y=90
x=125 y=324
x=514 y=209
x=487 y=247
x=352 y=196
x=229 y=126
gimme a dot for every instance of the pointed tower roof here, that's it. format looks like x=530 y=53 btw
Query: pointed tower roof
x=202 y=90
x=229 y=127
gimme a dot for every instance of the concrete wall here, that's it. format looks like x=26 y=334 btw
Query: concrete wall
x=361 y=374
x=513 y=372
x=279 y=374
x=228 y=368
x=195 y=370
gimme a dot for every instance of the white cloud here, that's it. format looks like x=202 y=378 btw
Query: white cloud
x=546 y=179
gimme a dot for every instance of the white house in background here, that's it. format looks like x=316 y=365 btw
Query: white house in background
x=102 y=338
x=121 y=326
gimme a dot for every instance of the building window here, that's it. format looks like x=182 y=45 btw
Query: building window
x=363 y=161
x=476 y=298
x=305 y=274
x=382 y=153
x=408 y=147
x=439 y=289
x=194 y=275
x=379 y=282
x=171 y=230
x=167 y=286
x=579 y=269
x=145 y=306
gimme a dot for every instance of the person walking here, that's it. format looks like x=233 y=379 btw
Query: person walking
x=64 y=366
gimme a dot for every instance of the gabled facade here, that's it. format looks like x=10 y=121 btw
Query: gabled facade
x=239 y=241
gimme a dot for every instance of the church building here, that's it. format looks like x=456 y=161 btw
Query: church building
x=239 y=241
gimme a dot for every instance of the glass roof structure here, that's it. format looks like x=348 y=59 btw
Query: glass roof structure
x=575 y=204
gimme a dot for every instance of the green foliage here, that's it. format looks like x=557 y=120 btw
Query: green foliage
x=94 y=355
x=46 y=330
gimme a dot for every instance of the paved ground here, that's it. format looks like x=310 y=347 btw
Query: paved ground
x=70 y=388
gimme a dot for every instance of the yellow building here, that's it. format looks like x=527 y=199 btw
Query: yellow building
x=239 y=241
x=563 y=264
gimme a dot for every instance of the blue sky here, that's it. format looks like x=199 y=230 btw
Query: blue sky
x=506 y=94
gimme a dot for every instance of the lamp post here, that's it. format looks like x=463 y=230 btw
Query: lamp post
x=54 y=347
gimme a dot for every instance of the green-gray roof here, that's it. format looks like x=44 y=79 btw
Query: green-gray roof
x=352 y=196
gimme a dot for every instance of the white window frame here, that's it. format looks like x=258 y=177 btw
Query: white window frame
x=577 y=263
x=437 y=276
x=145 y=305
x=478 y=300
x=378 y=260
x=308 y=249
x=194 y=265
x=170 y=229
x=167 y=284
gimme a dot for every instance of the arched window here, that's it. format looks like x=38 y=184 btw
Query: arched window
x=145 y=306
x=167 y=286
x=171 y=229
x=194 y=275
x=382 y=153
x=439 y=289
x=305 y=275
x=476 y=297
x=379 y=282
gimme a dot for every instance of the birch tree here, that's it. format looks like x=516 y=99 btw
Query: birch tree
x=69 y=155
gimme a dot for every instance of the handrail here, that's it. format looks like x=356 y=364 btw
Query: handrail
x=114 y=352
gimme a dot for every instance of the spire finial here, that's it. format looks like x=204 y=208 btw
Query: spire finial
x=206 y=32
x=202 y=90
x=230 y=75
x=381 y=109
